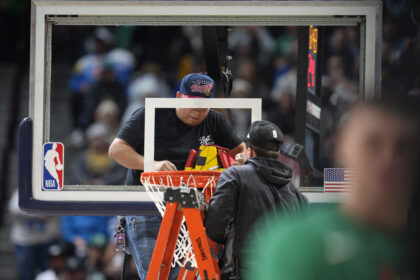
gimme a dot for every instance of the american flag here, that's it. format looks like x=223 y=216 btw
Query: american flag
x=338 y=179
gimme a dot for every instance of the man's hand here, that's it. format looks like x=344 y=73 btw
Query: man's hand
x=164 y=165
x=239 y=159
x=240 y=149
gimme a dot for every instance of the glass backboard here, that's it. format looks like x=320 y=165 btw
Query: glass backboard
x=57 y=29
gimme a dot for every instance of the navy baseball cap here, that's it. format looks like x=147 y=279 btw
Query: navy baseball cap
x=197 y=85
x=265 y=135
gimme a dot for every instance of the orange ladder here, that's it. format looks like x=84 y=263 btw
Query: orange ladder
x=189 y=203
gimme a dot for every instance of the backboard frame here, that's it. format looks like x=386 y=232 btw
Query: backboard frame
x=44 y=13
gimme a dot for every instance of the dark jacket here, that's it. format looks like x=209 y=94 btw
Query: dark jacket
x=244 y=193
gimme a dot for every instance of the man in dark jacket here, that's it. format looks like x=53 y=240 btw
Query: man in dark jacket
x=244 y=193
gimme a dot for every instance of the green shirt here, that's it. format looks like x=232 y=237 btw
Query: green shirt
x=326 y=246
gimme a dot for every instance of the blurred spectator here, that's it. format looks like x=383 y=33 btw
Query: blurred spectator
x=394 y=42
x=246 y=69
x=281 y=102
x=241 y=118
x=122 y=62
x=106 y=87
x=365 y=237
x=353 y=50
x=57 y=258
x=283 y=115
x=88 y=68
x=342 y=43
x=93 y=166
x=78 y=230
x=401 y=47
x=146 y=85
x=285 y=78
x=254 y=42
x=31 y=236
x=285 y=81
x=95 y=258
x=102 y=73
x=108 y=113
x=76 y=269
x=344 y=90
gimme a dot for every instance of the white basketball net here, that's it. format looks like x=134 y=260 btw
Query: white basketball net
x=155 y=188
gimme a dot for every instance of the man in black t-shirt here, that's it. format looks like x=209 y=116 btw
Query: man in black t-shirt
x=173 y=139
x=177 y=131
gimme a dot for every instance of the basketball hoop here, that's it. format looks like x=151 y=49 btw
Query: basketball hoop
x=156 y=183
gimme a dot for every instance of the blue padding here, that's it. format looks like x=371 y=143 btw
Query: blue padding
x=28 y=204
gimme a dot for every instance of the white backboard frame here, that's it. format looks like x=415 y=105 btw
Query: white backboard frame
x=179 y=13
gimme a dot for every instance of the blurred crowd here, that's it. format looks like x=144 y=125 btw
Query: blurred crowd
x=120 y=67
x=116 y=68
x=66 y=248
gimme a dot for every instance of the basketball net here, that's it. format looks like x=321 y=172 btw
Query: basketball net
x=155 y=184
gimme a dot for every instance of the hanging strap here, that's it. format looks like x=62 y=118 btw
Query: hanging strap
x=121 y=243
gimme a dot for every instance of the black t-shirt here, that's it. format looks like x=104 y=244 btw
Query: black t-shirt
x=174 y=139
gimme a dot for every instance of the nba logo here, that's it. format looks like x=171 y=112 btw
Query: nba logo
x=53 y=166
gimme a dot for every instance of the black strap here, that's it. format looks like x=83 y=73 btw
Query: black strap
x=123 y=266
x=122 y=223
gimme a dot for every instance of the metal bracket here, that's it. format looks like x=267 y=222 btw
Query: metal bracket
x=186 y=197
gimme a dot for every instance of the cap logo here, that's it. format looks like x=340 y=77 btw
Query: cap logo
x=204 y=89
x=247 y=136
x=274 y=133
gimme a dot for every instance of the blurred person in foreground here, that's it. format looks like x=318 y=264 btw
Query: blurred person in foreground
x=366 y=236
x=245 y=193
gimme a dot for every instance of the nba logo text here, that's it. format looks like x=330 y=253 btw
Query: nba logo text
x=53 y=166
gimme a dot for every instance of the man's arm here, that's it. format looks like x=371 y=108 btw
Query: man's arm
x=125 y=155
x=222 y=207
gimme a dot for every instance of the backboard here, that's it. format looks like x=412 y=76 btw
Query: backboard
x=35 y=131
